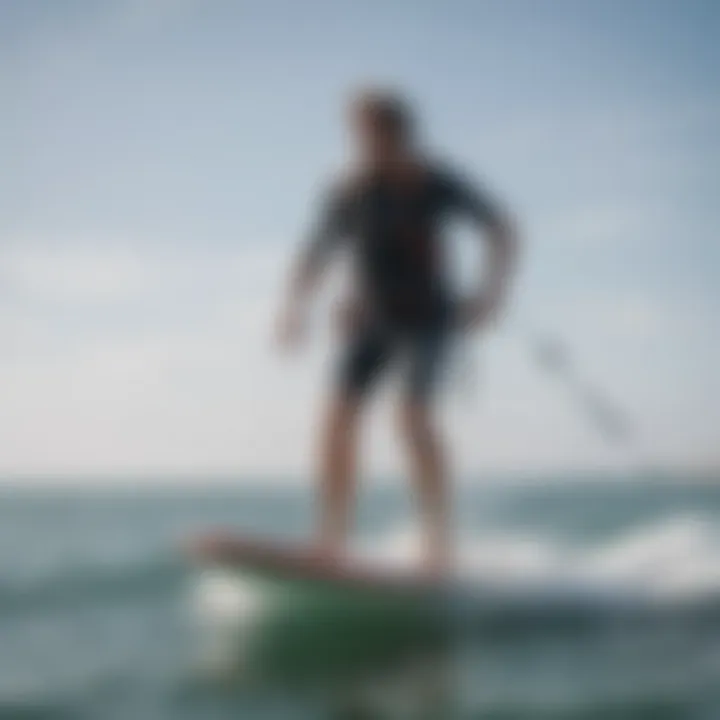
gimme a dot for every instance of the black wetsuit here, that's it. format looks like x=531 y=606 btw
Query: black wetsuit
x=395 y=235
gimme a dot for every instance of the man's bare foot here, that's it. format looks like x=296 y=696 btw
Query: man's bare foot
x=326 y=552
x=436 y=567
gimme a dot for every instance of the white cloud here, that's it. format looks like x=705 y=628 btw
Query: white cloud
x=51 y=271
x=202 y=390
x=621 y=315
x=597 y=228
x=75 y=274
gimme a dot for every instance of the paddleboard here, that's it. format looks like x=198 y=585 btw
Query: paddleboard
x=303 y=613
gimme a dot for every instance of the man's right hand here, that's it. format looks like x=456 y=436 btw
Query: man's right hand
x=477 y=312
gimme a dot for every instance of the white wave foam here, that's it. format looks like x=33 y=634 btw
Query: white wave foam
x=673 y=560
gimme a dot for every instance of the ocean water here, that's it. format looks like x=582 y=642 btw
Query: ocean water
x=590 y=599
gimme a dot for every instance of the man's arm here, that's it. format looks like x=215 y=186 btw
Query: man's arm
x=501 y=236
x=498 y=230
x=330 y=228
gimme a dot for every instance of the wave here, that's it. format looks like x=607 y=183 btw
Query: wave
x=671 y=564
x=79 y=586
x=193 y=701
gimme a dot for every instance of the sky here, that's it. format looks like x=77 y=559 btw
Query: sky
x=160 y=162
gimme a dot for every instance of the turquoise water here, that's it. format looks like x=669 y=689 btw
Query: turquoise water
x=592 y=600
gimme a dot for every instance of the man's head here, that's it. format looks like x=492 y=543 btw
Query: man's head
x=383 y=125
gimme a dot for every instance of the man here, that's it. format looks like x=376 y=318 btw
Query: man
x=389 y=212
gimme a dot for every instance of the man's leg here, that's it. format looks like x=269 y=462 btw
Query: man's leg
x=425 y=445
x=365 y=357
x=427 y=465
x=337 y=473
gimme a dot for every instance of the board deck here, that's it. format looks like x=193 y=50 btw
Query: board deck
x=305 y=563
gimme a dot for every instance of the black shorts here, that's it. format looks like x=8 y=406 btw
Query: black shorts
x=420 y=352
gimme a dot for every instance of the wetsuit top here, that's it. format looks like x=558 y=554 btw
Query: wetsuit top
x=395 y=234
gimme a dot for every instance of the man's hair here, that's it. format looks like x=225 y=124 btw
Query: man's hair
x=389 y=108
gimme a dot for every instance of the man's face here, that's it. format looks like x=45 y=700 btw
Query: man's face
x=375 y=140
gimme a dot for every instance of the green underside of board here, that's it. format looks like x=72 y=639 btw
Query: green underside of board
x=304 y=627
